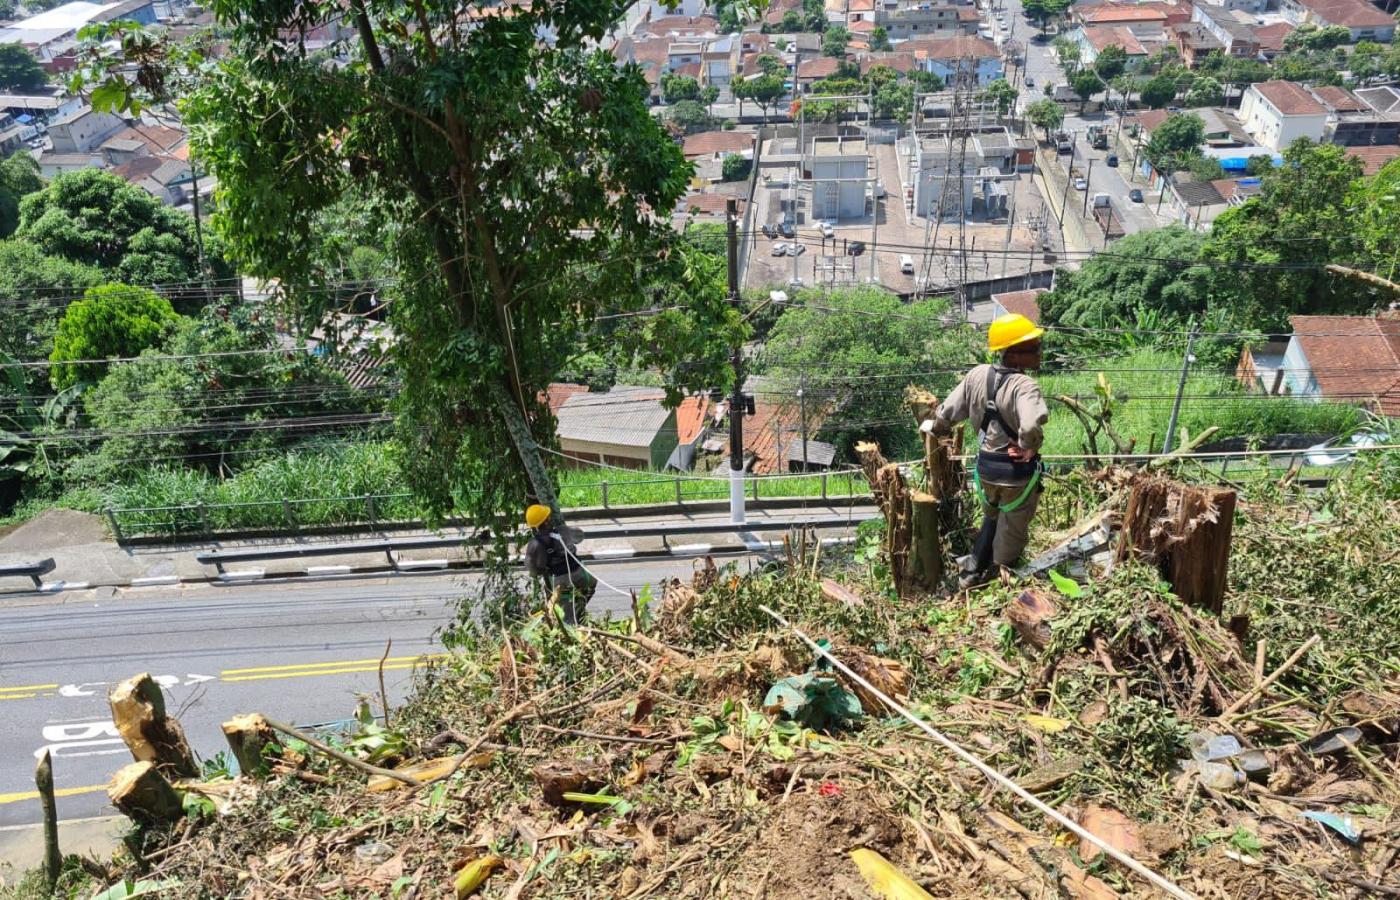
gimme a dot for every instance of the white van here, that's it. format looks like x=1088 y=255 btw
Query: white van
x=906 y=264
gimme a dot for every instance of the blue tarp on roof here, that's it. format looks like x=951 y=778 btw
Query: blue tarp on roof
x=24 y=118
x=1240 y=163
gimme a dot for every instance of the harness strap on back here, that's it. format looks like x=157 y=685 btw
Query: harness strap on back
x=995 y=379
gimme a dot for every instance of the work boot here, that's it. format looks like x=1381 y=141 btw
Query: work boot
x=969 y=580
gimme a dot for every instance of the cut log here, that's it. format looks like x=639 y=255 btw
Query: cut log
x=1185 y=532
x=927 y=542
x=1030 y=615
x=569 y=776
x=139 y=791
x=247 y=736
x=138 y=710
x=889 y=676
x=43 y=780
x=839 y=593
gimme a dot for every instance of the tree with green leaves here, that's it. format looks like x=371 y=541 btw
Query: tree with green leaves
x=1047 y=114
x=857 y=333
x=1176 y=142
x=893 y=100
x=708 y=95
x=1085 y=84
x=880 y=38
x=1310 y=37
x=1305 y=215
x=19 y=177
x=834 y=42
x=1204 y=168
x=814 y=14
x=20 y=72
x=34 y=289
x=111 y=320
x=1158 y=91
x=765 y=90
x=1069 y=54
x=679 y=87
x=926 y=82
x=690 y=116
x=1111 y=62
x=98 y=219
x=1258 y=164
x=1043 y=12
x=735 y=167
x=1001 y=94
x=522 y=177
x=1204 y=91
x=793 y=21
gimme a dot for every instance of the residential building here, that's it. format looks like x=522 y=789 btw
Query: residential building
x=717 y=61
x=83 y=130
x=1196 y=203
x=662 y=9
x=1236 y=37
x=52 y=164
x=815 y=69
x=681 y=26
x=838 y=168
x=1346 y=359
x=1276 y=113
x=1373 y=159
x=626 y=426
x=1094 y=39
x=12 y=134
x=165 y=179
x=53 y=33
x=1245 y=6
x=1121 y=14
x=1270 y=38
x=908 y=21
x=717 y=144
x=901 y=61
x=1364 y=21
x=1195 y=42
x=1021 y=303
x=1354 y=122
x=681 y=54
x=708 y=205
x=960 y=61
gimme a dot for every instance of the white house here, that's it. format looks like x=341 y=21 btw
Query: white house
x=657 y=9
x=959 y=61
x=1277 y=113
x=83 y=130
x=1364 y=21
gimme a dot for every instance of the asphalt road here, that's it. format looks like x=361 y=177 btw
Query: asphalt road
x=297 y=651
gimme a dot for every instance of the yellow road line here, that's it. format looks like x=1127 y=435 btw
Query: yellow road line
x=4 y=697
x=27 y=687
x=61 y=792
x=265 y=676
x=333 y=663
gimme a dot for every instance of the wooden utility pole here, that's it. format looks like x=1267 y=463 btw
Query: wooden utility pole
x=736 y=359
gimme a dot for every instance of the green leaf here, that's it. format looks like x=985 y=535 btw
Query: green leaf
x=109 y=96
x=123 y=890
x=1066 y=586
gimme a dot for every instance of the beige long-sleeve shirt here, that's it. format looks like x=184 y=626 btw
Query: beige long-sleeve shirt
x=1019 y=402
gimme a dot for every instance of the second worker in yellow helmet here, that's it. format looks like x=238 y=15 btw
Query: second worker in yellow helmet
x=1011 y=415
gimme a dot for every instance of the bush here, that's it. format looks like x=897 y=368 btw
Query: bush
x=112 y=320
x=729 y=125
x=736 y=167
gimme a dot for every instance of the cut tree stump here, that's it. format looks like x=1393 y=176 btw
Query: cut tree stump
x=1185 y=531
x=247 y=735
x=139 y=791
x=138 y=710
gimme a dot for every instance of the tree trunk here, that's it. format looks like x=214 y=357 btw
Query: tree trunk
x=927 y=547
x=139 y=791
x=247 y=736
x=43 y=780
x=138 y=710
x=1185 y=532
x=528 y=451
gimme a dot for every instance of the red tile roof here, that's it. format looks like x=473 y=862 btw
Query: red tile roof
x=683 y=25
x=1134 y=13
x=691 y=418
x=1354 y=359
x=691 y=70
x=864 y=26
x=708 y=142
x=560 y=391
x=709 y=204
x=1351 y=13
x=1104 y=36
x=900 y=62
x=1290 y=99
x=861 y=6
x=1338 y=99
x=968 y=14
x=1021 y=302
x=1149 y=119
x=963 y=47
x=821 y=67
x=1270 y=37
x=1374 y=157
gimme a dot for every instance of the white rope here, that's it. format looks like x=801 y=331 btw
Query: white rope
x=1158 y=880
x=616 y=590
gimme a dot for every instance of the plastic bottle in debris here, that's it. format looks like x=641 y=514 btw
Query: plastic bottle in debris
x=1218 y=776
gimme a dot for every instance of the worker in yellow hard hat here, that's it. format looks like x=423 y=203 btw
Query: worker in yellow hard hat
x=551 y=554
x=1010 y=431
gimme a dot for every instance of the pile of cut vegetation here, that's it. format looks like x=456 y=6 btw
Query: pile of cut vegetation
x=702 y=749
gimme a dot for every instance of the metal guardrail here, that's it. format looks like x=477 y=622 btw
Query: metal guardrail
x=376 y=511
x=35 y=570
x=389 y=546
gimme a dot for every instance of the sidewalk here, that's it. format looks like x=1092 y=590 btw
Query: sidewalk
x=85 y=558
x=22 y=846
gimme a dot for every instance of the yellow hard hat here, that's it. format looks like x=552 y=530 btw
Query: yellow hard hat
x=537 y=515
x=1010 y=329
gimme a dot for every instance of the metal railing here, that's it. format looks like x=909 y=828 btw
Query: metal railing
x=401 y=510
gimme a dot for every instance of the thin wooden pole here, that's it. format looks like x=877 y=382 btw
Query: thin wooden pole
x=43 y=780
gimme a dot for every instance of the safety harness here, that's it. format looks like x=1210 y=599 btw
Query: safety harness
x=1000 y=465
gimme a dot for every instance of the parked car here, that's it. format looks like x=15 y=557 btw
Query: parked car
x=1135 y=195
x=1341 y=450
x=769 y=231
x=787 y=231
x=779 y=249
x=1080 y=184
x=827 y=230
x=796 y=249
x=906 y=264
x=1112 y=161
x=1030 y=82
x=856 y=248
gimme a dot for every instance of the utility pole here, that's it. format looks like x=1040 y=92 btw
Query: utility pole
x=1069 y=178
x=1180 y=388
x=802 y=402
x=1087 y=186
x=736 y=359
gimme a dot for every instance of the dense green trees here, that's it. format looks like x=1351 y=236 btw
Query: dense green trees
x=1111 y=62
x=679 y=87
x=839 y=343
x=1043 y=12
x=1158 y=91
x=736 y=167
x=1176 y=142
x=34 y=289
x=880 y=39
x=690 y=115
x=834 y=42
x=19 y=175
x=111 y=320
x=1002 y=94
x=20 y=72
x=1047 y=114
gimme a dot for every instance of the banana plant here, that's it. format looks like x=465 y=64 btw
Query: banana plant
x=22 y=421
